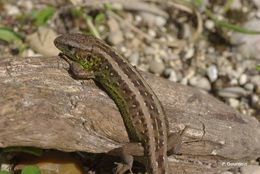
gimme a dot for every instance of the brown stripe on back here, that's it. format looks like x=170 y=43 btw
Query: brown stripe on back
x=159 y=129
x=125 y=91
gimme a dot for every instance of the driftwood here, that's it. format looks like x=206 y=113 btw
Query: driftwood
x=42 y=106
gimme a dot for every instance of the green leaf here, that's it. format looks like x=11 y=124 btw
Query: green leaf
x=229 y=26
x=108 y=6
x=9 y=35
x=100 y=18
x=42 y=16
x=197 y=3
x=31 y=170
x=4 y=172
x=258 y=67
x=31 y=150
x=77 y=12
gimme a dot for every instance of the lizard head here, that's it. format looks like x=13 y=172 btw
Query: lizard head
x=78 y=48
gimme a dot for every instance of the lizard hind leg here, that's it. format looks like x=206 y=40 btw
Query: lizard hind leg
x=126 y=153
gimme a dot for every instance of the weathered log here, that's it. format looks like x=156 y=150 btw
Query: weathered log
x=42 y=106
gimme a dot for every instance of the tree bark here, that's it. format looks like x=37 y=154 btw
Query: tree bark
x=42 y=106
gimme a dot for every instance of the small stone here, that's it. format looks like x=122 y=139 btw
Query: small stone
x=257 y=91
x=234 y=103
x=12 y=10
x=244 y=9
x=236 y=5
x=129 y=35
x=250 y=46
x=149 y=51
x=212 y=73
x=151 y=19
x=143 y=67
x=184 y=81
x=187 y=31
x=233 y=82
x=254 y=99
x=101 y=28
x=249 y=86
x=200 y=82
x=209 y=24
x=138 y=19
x=257 y=3
x=42 y=41
x=160 y=21
x=232 y=92
x=156 y=66
x=30 y=53
x=151 y=32
x=255 y=80
x=258 y=14
x=172 y=76
x=189 y=53
x=211 y=50
x=115 y=38
x=134 y=58
x=243 y=79
x=25 y=4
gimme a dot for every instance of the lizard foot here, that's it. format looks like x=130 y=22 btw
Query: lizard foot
x=122 y=168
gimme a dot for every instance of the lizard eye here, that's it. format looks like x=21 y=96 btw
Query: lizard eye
x=71 y=49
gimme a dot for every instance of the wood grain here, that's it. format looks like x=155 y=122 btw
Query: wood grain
x=42 y=106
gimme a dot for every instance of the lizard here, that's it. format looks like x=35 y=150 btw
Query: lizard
x=141 y=110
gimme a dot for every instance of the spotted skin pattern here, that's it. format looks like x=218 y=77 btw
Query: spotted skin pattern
x=140 y=108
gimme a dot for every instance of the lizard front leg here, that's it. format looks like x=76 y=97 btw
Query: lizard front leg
x=128 y=150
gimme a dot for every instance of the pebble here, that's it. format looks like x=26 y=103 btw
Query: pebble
x=233 y=82
x=115 y=38
x=172 y=76
x=258 y=14
x=152 y=20
x=212 y=73
x=257 y=3
x=42 y=41
x=209 y=24
x=187 y=31
x=25 y=4
x=250 y=169
x=189 y=53
x=251 y=43
x=160 y=21
x=249 y=87
x=184 y=81
x=134 y=58
x=232 y=92
x=236 y=5
x=156 y=66
x=257 y=91
x=11 y=10
x=149 y=51
x=151 y=32
x=255 y=80
x=129 y=35
x=200 y=82
x=143 y=67
x=233 y=102
x=254 y=99
x=243 y=79
x=138 y=19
